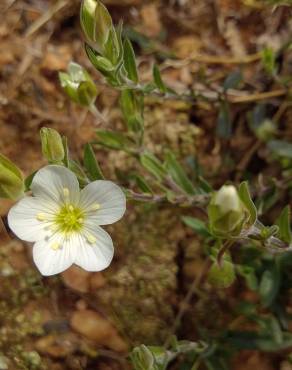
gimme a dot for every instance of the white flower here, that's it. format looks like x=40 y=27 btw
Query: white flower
x=64 y=222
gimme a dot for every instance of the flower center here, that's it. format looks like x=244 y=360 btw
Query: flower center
x=69 y=219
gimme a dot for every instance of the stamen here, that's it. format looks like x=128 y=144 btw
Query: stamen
x=71 y=208
x=95 y=207
x=55 y=246
x=80 y=220
x=66 y=192
x=54 y=227
x=90 y=238
x=41 y=217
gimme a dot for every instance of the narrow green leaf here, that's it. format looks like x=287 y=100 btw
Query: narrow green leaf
x=270 y=285
x=281 y=148
x=177 y=173
x=91 y=164
x=103 y=65
x=251 y=340
x=284 y=224
x=28 y=181
x=66 y=151
x=197 y=225
x=142 y=184
x=112 y=47
x=232 y=80
x=113 y=140
x=158 y=80
x=204 y=185
x=153 y=165
x=130 y=61
x=11 y=179
x=224 y=124
x=269 y=60
x=132 y=105
x=245 y=197
x=79 y=172
x=249 y=274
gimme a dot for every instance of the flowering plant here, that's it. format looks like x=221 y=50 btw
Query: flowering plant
x=59 y=209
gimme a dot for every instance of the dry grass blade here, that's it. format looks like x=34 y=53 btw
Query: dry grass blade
x=44 y=18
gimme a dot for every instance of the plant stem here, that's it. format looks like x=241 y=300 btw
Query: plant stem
x=187 y=299
x=97 y=114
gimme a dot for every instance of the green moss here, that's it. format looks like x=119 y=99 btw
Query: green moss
x=140 y=291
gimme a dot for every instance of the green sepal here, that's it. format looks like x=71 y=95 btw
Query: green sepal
x=130 y=61
x=245 y=197
x=11 y=179
x=90 y=163
x=284 y=224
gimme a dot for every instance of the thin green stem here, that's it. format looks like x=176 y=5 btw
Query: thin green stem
x=97 y=114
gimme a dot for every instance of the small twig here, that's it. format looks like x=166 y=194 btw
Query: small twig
x=195 y=200
x=112 y=355
x=223 y=250
x=214 y=59
x=257 y=96
x=44 y=18
x=97 y=114
x=187 y=299
x=242 y=165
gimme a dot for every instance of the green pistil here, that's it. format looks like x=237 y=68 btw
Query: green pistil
x=69 y=219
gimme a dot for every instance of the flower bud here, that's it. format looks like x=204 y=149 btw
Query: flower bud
x=222 y=276
x=142 y=358
x=78 y=85
x=96 y=23
x=227 y=213
x=52 y=145
x=11 y=179
x=266 y=131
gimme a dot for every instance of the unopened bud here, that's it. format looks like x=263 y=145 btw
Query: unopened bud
x=52 y=145
x=266 y=130
x=96 y=23
x=11 y=179
x=78 y=85
x=142 y=358
x=227 y=213
x=222 y=276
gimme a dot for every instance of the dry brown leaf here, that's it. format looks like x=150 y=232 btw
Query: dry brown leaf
x=151 y=25
x=77 y=279
x=98 y=329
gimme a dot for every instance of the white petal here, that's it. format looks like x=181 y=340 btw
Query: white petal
x=108 y=196
x=51 y=261
x=51 y=181
x=22 y=218
x=95 y=256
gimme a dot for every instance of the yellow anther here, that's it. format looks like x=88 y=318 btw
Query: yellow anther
x=66 y=192
x=54 y=227
x=95 y=207
x=55 y=246
x=71 y=208
x=41 y=217
x=80 y=220
x=91 y=239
